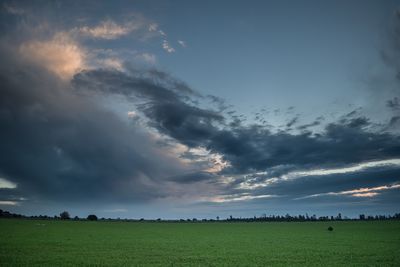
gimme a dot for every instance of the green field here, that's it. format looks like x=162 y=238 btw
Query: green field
x=83 y=243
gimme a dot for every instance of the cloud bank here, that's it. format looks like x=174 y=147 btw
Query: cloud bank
x=114 y=133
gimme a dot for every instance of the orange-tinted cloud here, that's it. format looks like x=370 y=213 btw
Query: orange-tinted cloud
x=60 y=55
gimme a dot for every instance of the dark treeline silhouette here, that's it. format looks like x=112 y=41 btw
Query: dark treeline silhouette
x=264 y=218
x=304 y=218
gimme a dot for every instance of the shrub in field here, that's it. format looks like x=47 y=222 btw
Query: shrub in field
x=92 y=217
x=330 y=228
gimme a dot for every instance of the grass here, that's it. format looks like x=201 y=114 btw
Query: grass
x=83 y=243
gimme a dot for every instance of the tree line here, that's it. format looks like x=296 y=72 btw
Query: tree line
x=263 y=218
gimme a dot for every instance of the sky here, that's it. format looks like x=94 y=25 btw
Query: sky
x=183 y=109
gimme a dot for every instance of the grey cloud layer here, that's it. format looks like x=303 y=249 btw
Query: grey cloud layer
x=247 y=147
x=252 y=148
x=59 y=145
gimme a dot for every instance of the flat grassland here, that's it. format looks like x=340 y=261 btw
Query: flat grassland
x=101 y=243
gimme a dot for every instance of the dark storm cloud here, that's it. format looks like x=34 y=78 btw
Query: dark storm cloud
x=247 y=148
x=307 y=193
x=189 y=125
x=7 y=194
x=317 y=184
x=394 y=103
x=167 y=107
x=358 y=122
x=60 y=145
x=257 y=149
x=292 y=122
x=155 y=88
x=353 y=113
x=193 y=177
x=306 y=126
x=394 y=121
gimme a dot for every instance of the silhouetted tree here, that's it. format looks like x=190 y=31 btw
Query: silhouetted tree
x=92 y=217
x=64 y=215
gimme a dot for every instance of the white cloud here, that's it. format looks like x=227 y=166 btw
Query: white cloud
x=132 y=114
x=370 y=194
x=153 y=27
x=355 y=168
x=60 y=55
x=360 y=192
x=249 y=184
x=9 y=203
x=182 y=43
x=112 y=63
x=109 y=30
x=146 y=58
x=218 y=163
x=7 y=184
x=243 y=197
x=167 y=47
x=212 y=162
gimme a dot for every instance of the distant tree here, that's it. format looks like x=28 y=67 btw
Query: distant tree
x=217 y=218
x=76 y=218
x=65 y=215
x=330 y=228
x=92 y=217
